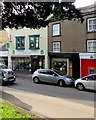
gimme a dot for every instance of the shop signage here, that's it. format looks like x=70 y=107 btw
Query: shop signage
x=41 y=52
x=13 y=51
x=7 y=45
x=91 y=56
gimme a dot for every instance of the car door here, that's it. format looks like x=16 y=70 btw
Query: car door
x=52 y=77
x=89 y=84
x=1 y=77
x=94 y=81
x=42 y=75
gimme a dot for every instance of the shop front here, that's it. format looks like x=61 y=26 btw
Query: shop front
x=27 y=63
x=20 y=63
x=68 y=63
x=87 y=63
x=28 y=60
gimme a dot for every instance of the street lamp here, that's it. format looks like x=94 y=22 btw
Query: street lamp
x=9 y=54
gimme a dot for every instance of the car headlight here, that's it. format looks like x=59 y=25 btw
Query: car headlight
x=69 y=80
x=4 y=74
x=4 y=78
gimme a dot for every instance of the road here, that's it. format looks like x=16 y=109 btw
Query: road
x=50 y=100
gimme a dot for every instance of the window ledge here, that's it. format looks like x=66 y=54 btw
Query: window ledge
x=20 y=48
x=34 y=48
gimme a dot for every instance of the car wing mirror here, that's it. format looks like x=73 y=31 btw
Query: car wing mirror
x=55 y=75
x=87 y=79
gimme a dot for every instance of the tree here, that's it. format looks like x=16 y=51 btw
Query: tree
x=35 y=14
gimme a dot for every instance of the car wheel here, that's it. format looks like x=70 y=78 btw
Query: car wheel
x=80 y=86
x=36 y=80
x=61 y=83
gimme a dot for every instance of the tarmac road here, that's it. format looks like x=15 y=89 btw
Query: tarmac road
x=49 y=101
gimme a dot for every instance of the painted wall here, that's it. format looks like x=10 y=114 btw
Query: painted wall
x=26 y=32
x=43 y=45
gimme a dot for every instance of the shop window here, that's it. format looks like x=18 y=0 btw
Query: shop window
x=91 y=45
x=56 y=46
x=56 y=29
x=60 y=64
x=34 y=41
x=91 y=24
x=92 y=70
x=20 y=42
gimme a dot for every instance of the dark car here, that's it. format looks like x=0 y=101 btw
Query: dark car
x=52 y=76
x=7 y=76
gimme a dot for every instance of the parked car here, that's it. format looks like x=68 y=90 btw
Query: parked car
x=52 y=76
x=6 y=75
x=87 y=82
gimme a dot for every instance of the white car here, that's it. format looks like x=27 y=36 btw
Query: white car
x=87 y=82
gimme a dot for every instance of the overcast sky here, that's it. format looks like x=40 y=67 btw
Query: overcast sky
x=83 y=3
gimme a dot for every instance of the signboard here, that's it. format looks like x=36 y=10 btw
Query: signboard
x=13 y=51
x=7 y=45
x=92 y=70
x=41 y=52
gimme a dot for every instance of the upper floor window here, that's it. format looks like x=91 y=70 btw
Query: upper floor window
x=91 y=24
x=91 y=45
x=56 y=46
x=20 y=42
x=56 y=29
x=34 y=41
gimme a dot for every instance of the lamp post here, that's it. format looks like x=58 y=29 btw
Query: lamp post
x=9 y=49
x=9 y=54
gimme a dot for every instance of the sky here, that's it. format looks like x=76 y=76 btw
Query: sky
x=83 y=3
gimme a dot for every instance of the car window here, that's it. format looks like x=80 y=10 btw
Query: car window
x=42 y=71
x=85 y=78
x=89 y=78
x=94 y=77
x=58 y=72
x=2 y=66
x=0 y=73
x=50 y=72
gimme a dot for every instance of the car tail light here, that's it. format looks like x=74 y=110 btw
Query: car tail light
x=32 y=73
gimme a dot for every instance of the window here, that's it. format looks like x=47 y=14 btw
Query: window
x=91 y=24
x=50 y=72
x=94 y=77
x=20 y=42
x=56 y=29
x=42 y=71
x=91 y=45
x=56 y=46
x=34 y=42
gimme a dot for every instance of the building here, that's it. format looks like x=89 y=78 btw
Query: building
x=69 y=42
x=28 y=49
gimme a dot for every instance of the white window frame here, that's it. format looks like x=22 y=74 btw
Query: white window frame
x=92 y=24
x=56 y=46
x=91 y=45
x=56 y=29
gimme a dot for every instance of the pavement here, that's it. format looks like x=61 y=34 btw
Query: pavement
x=46 y=106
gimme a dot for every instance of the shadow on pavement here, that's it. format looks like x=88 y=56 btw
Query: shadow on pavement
x=15 y=101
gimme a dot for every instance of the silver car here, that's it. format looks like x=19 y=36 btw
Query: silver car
x=87 y=82
x=6 y=75
x=52 y=76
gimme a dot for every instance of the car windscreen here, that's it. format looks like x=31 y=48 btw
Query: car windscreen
x=58 y=72
x=3 y=66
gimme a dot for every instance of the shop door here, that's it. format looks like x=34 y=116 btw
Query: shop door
x=35 y=64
